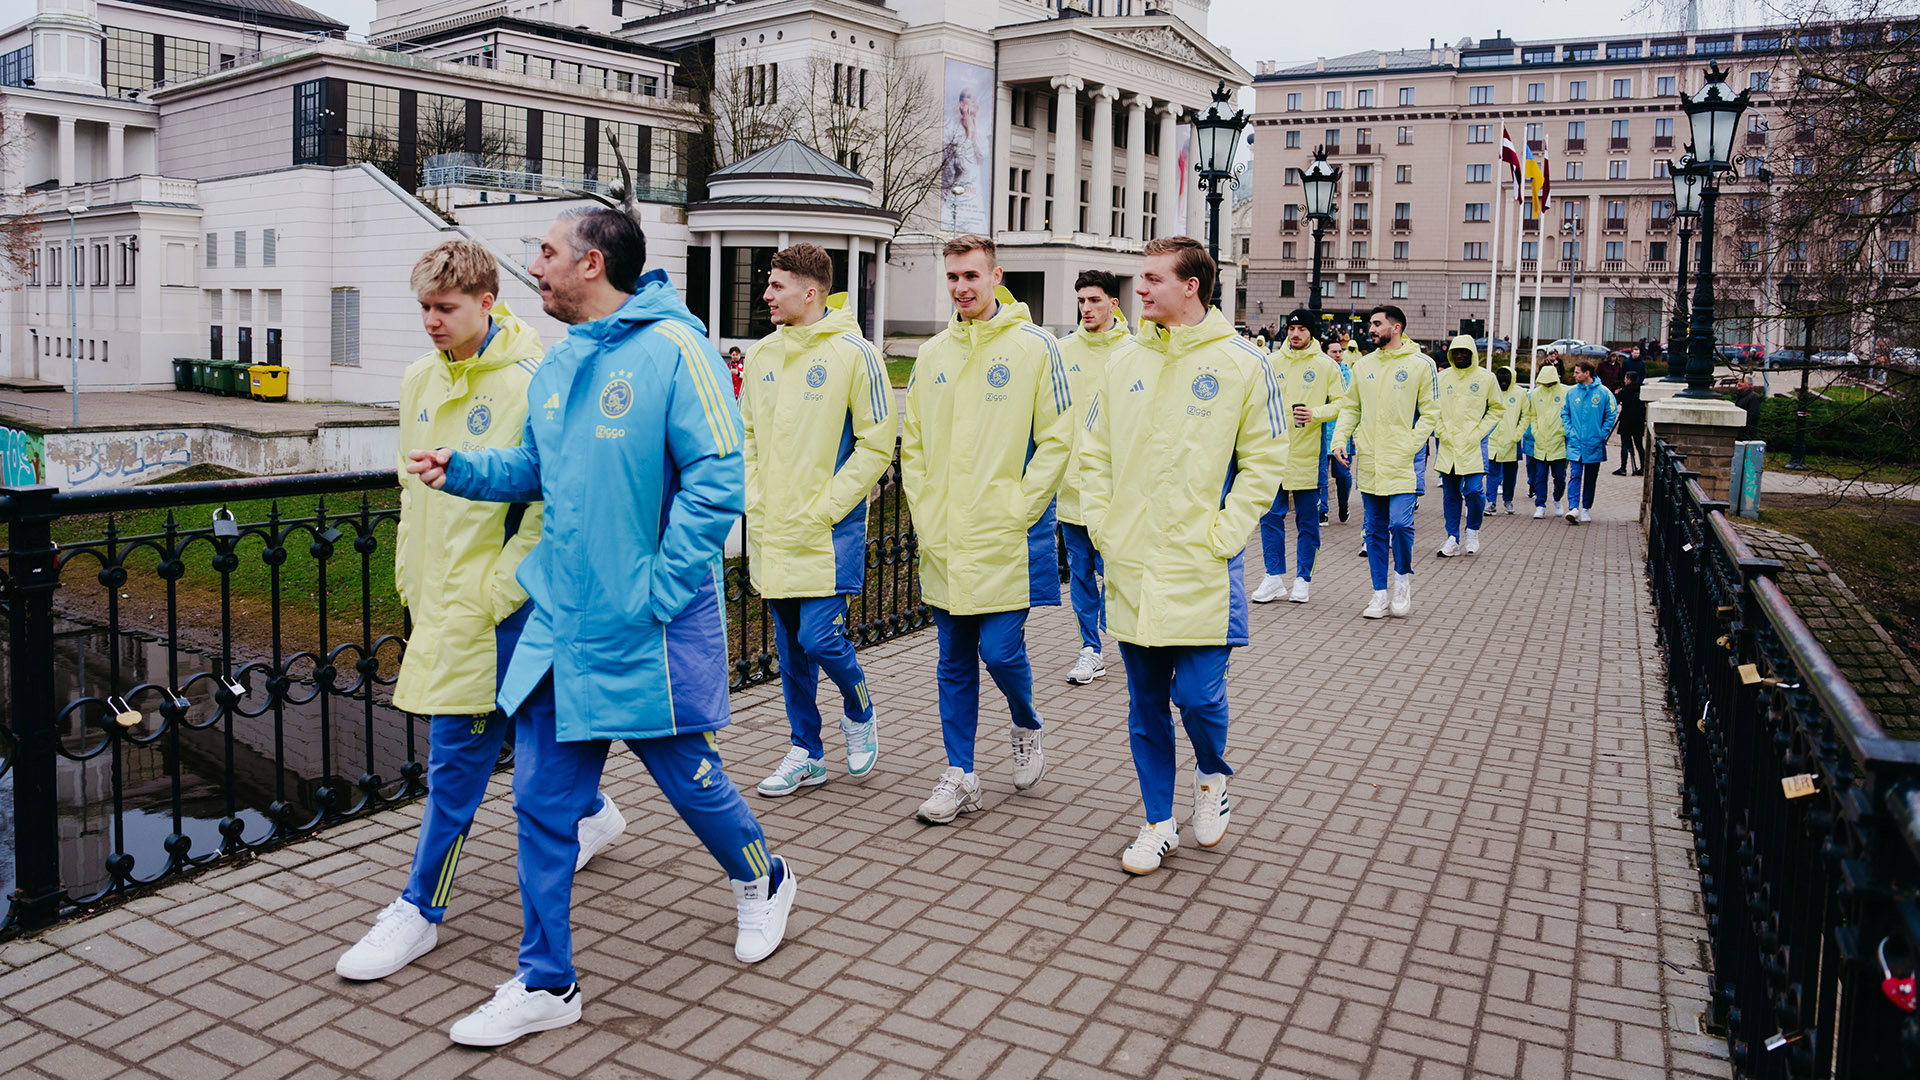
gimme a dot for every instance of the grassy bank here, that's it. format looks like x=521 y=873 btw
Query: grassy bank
x=1869 y=543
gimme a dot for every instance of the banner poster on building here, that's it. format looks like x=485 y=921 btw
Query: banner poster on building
x=23 y=458
x=966 y=157
x=1186 y=177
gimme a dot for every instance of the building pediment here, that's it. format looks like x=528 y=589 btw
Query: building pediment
x=1158 y=55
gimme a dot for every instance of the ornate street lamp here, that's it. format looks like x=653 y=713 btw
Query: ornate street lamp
x=1714 y=116
x=1789 y=293
x=1321 y=182
x=1217 y=137
x=1688 y=181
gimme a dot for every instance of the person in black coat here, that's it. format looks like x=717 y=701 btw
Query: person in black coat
x=1633 y=416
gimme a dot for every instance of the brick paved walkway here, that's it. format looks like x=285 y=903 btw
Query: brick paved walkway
x=1450 y=857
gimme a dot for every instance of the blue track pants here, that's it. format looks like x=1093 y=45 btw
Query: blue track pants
x=1083 y=567
x=1273 y=531
x=999 y=640
x=1389 y=522
x=812 y=638
x=1456 y=489
x=1537 y=473
x=1194 y=677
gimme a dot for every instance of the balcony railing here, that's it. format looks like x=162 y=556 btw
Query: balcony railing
x=1528 y=266
x=1747 y=266
x=1659 y=266
x=1328 y=262
x=473 y=171
x=1899 y=269
x=1575 y=146
x=1360 y=225
x=1290 y=226
x=1361 y=187
x=1401 y=224
x=1619 y=143
x=1359 y=263
x=1796 y=266
x=1363 y=148
x=1756 y=138
x=1616 y=224
x=1663 y=142
x=1333 y=149
x=1613 y=266
x=1660 y=224
x=1536 y=145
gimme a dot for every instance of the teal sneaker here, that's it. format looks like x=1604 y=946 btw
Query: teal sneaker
x=863 y=744
x=796 y=771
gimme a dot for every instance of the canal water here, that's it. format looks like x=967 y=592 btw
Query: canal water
x=261 y=771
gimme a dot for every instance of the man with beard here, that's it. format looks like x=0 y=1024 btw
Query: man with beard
x=1389 y=412
x=1310 y=390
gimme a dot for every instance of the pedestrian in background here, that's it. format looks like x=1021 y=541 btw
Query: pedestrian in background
x=1633 y=417
x=1588 y=413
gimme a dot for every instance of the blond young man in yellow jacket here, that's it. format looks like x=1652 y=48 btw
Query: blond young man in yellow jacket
x=1309 y=380
x=1183 y=449
x=454 y=566
x=817 y=408
x=983 y=444
x=1389 y=411
x=1085 y=352
x=1470 y=408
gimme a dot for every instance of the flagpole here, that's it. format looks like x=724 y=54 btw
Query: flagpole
x=1519 y=238
x=1493 y=274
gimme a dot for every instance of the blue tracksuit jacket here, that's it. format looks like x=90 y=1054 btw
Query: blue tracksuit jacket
x=633 y=443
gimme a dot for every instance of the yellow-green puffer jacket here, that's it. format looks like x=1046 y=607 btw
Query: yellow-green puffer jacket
x=1388 y=411
x=983 y=444
x=818 y=413
x=1470 y=409
x=1184 y=450
x=1305 y=377
x=454 y=560
x=1085 y=354
x=1516 y=413
x=1543 y=406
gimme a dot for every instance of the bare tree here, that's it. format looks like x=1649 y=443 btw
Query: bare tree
x=19 y=226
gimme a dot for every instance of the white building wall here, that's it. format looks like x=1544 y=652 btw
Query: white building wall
x=206 y=136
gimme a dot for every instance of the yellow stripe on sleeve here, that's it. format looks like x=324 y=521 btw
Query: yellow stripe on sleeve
x=725 y=437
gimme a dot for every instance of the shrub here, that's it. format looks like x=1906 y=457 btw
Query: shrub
x=1879 y=428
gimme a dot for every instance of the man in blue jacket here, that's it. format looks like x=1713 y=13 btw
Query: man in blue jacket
x=1589 y=414
x=633 y=443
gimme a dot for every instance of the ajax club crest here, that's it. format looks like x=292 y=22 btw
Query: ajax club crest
x=479 y=419
x=617 y=396
x=1400 y=376
x=817 y=376
x=997 y=376
x=1206 y=387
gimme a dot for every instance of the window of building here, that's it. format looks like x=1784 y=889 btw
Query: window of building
x=503 y=136
x=1571 y=214
x=1357 y=290
x=1403 y=174
x=1623 y=50
x=743 y=276
x=1757 y=80
x=1570 y=251
x=1529 y=250
x=213 y=250
x=1404 y=136
x=344 y=328
x=1537 y=56
x=1660 y=210
x=1018 y=198
x=1359 y=249
x=1292 y=177
x=1473 y=290
x=1669 y=48
x=1897 y=250
x=1334 y=99
x=1576 y=134
x=1362 y=211
x=1363 y=99
x=1663 y=130
x=1617 y=170
x=1401 y=249
x=1479 y=95
x=269 y=247
x=1479 y=133
x=1583 y=52
x=1286 y=288
x=563 y=145
x=1620 y=129
x=1293 y=139
x=239 y=248
x=33 y=266
x=1623 y=88
x=373 y=126
x=1151 y=217
x=1082 y=225
x=99 y=264
x=567 y=71
x=1293 y=102
x=1287 y=249
x=1331 y=140
x=1760 y=42
x=1576 y=170
x=1665 y=86
x=1363 y=142
x=1536 y=91
x=310 y=122
x=1616 y=211
x=1399 y=290
x=1536 y=133
x=1577 y=90
x=1662 y=169
x=16 y=67
x=129 y=56
x=1712 y=46
x=1616 y=250
x=1406 y=95
x=1474 y=251
x=1657 y=251
x=1479 y=173
x=1478 y=211
x=1402 y=211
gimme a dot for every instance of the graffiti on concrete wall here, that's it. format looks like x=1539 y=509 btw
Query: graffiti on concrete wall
x=111 y=457
x=23 y=457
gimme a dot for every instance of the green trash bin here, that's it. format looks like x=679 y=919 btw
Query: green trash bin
x=226 y=376
x=201 y=368
x=182 y=373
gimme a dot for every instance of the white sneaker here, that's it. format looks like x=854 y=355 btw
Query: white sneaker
x=1272 y=587
x=1299 y=594
x=1088 y=668
x=1402 y=595
x=516 y=1011
x=1509 y=509
x=597 y=830
x=1538 y=512
x=762 y=920
x=863 y=744
x=400 y=935
x=953 y=794
x=1377 y=609
x=797 y=770
x=1154 y=843
x=1572 y=515
x=1585 y=517
x=1029 y=761
x=1210 y=812
x=1472 y=544
x=1451 y=548
x=1556 y=508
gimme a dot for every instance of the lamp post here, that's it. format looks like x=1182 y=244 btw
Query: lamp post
x=1789 y=292
x=1217 y=135
x=73 y=317
x=1714 y=116
x=1687 y=182
x=1321 y=182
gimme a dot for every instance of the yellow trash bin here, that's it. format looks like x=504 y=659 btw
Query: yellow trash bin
x=267 y=382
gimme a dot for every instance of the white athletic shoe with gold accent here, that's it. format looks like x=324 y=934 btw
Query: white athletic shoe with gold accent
x=1154 y=844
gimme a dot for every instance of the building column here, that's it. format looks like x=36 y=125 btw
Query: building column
x=63 y=153
x=116 y=151
x=1066 y=156
x=1132 y=223
x=1168 y=188
x=853 y=277
x=1100 y=181
x=1002 y=147
x=713 y=288
x=880 y=297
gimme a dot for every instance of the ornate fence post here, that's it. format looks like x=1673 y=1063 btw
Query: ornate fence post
x=32 y=575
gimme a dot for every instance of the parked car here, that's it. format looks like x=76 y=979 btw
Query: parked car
x=1560 y=346
x=1785 y=358
x=1835 y=358
x=1500 y=344
x=1595 y=353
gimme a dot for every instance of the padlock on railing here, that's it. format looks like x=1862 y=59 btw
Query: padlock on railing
x=224 y=527
x=235 y=687
x=124 y=714
x=1902 y=991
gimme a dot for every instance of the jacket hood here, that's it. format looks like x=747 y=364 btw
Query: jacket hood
x=1011 y=313
x=1185 y=339
x=1407 y=347
x=1547 y=376
x=1291 y=354
x=1103 y=338
x=654 y=300
x=1461 y=341
x=837 y=321
x=515 y=341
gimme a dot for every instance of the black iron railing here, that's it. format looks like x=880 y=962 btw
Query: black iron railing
x=197 y=671
x=1805 y=813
